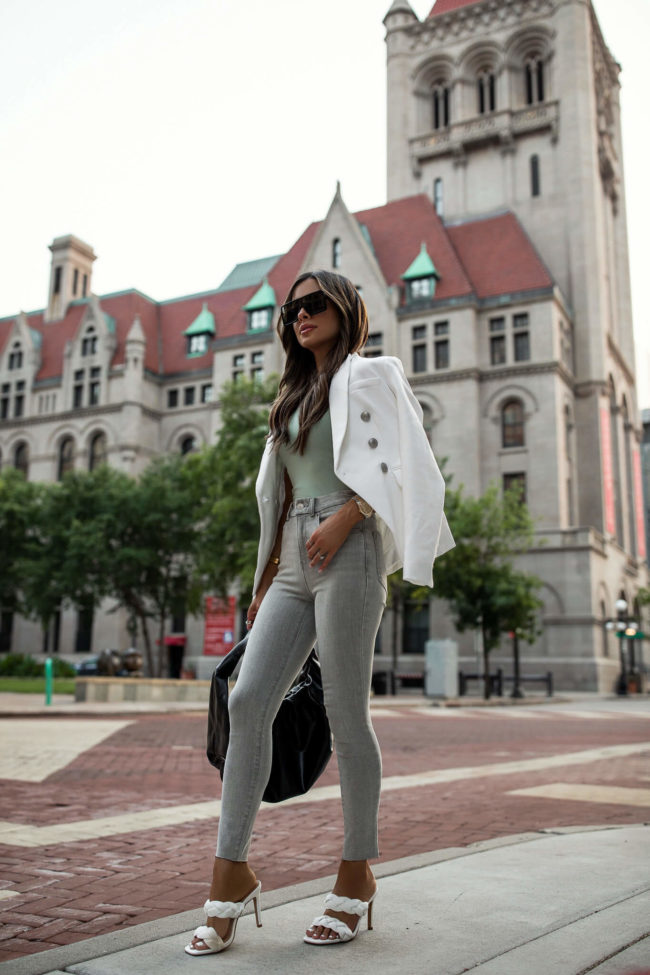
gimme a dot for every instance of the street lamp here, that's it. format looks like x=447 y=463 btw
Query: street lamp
x=625 y=628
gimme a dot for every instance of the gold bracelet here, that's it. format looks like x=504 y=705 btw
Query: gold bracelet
x=274 y=560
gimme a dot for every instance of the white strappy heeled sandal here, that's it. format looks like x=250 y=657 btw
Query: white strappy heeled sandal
x=347 y=905
x=233 y=909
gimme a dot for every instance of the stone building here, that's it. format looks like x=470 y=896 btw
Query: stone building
x=497 y=271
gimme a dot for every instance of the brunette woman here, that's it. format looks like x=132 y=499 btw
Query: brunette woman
x=348 y=490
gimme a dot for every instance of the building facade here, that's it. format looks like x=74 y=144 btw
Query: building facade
x=497 y=271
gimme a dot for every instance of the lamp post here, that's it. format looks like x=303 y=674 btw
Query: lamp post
x=625 y=629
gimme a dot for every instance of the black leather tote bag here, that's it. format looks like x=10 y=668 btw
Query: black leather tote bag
x=302 y=740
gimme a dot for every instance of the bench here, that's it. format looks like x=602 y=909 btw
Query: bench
x=498 y=679
x=496 y=682
x=546 y=678
x=383 y=679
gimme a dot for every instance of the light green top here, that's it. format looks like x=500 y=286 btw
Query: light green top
x=312 y=473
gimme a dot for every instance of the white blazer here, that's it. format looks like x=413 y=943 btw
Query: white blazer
x=382 y=453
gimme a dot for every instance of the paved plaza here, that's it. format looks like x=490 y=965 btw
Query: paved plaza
x=108 y=821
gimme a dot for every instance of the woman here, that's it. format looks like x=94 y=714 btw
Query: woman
x=348 y=490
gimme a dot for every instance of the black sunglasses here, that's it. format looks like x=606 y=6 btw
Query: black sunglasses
x=313 y=304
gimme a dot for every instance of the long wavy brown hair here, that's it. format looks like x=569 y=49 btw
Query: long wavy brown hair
x=302 y=385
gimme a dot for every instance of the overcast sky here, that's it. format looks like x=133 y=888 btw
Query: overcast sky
x=178 y=137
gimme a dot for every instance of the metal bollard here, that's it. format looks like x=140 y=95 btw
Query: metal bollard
x=49 y=673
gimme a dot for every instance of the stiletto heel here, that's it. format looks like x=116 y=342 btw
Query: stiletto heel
x=347 y=905
x=258 y=909
x=233 y=909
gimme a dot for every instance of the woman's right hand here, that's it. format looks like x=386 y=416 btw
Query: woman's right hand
x=253 y=609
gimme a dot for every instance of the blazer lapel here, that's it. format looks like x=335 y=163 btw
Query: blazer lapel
x=339 y=407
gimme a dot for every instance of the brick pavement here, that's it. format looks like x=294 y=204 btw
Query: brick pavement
x=66 y=892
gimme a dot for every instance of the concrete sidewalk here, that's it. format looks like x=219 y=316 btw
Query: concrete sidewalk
x=555 y=902
x=33 y=705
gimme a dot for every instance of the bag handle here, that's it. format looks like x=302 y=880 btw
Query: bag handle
x=227 y=666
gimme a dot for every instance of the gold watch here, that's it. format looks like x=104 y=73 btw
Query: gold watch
x=363 y=506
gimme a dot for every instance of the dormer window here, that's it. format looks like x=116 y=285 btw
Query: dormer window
x=16 y=356
x=198 y=344
x=259 y=319
x=200 y=333
x=259 y=310
x=421 y=277
x=89 y=342
x=336 y=253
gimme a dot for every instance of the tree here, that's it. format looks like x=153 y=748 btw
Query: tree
x=230 y=521
x=478 y=577
x=152 y=547
x=18 y=504
x=66 y=549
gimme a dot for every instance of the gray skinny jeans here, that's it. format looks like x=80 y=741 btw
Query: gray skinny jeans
x=341 y=608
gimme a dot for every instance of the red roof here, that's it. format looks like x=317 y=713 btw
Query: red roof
x=397 y=231
x=482 y=257
x=445 y=6
x=498 y=256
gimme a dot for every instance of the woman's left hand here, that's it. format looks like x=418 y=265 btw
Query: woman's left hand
x=324 y=543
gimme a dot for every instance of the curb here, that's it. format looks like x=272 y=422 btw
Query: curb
x=55 y=960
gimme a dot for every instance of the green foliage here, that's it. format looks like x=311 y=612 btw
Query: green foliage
x=19 y=500
x=478 y=578
x=22 y=665
x=227 y=474
x=186 y=526
x=35 y=685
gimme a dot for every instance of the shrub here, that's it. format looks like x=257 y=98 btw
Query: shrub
x=22 y=665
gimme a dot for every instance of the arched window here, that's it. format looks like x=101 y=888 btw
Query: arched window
x=605 y=632
x=438 y=197
x=21 y=458
x=440 y=106
x=486 y=87
x=512 y=423
x=534 y=69
x=89 y=342
x=336 y=253
x=98 y=449
x=427 y=421
x=535 y=181
x=188 y=445
x=16 y=356
x=66 y=457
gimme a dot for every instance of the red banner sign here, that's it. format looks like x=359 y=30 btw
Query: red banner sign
x=219 y=632
x=638 y=505
x=608 y=470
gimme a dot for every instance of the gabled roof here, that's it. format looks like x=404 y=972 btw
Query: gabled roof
x=398 y=230
x=483 y=258
x=264 y=297
x=499 y=257
x=202 y=324
x=248 y=273
x=421 y=267
x=446 y=6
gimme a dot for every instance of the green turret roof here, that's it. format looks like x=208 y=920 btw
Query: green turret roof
x=264 y=297
x=204 y=322
x=422 y=267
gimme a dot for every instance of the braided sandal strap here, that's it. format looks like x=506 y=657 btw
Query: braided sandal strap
x=209 y=936
x=333 y=923
x=224 y=908
x=348 y=905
